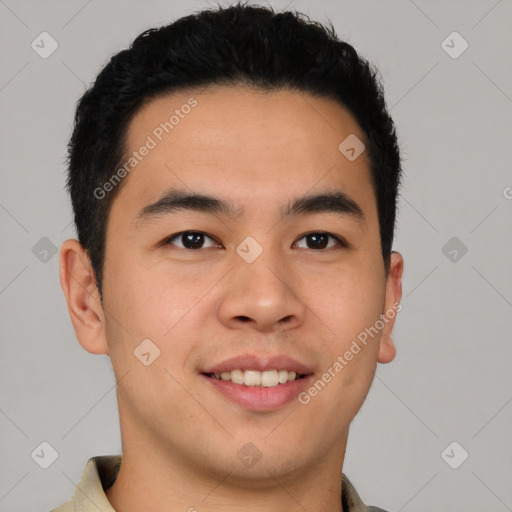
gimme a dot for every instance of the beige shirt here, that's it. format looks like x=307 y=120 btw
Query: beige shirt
x=101 y=471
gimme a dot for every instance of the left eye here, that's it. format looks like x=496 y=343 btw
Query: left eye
x=195 y=240
x=320 y=239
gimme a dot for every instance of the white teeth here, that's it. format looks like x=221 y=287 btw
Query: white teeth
x=268 y=378
x=237 y=376
x=252 y=378
x=283 y=377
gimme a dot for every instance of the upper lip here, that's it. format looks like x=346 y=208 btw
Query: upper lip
x=261 y=363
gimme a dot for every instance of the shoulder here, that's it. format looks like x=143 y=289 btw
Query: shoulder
x=370 y=509
x=99 y=474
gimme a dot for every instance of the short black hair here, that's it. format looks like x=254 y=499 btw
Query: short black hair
x=236 y=45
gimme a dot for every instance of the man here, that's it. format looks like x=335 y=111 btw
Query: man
x=234 y=179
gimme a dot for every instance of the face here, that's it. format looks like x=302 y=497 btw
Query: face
x=247 y=279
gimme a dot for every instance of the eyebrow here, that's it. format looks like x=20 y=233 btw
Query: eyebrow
x=176 y=199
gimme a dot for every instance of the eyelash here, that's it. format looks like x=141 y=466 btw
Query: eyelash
x=341 y=242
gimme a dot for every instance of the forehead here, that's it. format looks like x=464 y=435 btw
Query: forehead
x=251 y=145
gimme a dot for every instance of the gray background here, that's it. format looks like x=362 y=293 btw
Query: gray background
x=451 y=379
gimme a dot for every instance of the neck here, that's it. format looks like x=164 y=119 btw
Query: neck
x=154 y=479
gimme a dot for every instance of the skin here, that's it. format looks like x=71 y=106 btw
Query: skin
x=180 y=437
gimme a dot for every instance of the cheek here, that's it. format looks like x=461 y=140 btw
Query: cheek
x=152 y=301
x=349 y=357
x=348 y=302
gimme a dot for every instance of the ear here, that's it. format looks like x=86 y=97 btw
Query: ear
x=387 y=350
x=77 y=280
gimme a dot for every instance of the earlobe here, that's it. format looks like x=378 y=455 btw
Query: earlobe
x=387 y=349
x=78 y=283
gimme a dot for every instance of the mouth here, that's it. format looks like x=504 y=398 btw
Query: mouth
x=259 y=383
x=256 y=378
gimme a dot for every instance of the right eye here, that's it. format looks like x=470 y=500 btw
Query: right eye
x=192 y=240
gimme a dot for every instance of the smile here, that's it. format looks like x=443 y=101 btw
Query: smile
x=255 y=378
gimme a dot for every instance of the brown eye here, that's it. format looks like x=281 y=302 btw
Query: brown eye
x=320 y=240
x=192 y=240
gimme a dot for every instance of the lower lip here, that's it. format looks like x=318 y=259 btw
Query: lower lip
x=260 y=398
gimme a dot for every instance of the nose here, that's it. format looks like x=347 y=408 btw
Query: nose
x=262 y=295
